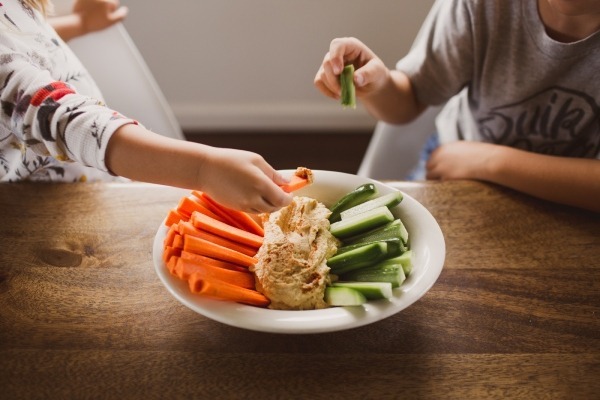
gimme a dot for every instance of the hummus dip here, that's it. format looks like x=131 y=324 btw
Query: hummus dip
x=291 y=269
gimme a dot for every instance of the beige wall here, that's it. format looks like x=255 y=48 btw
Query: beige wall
x=230 y=64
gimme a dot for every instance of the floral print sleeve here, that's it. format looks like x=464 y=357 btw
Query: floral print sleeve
x=52 y=116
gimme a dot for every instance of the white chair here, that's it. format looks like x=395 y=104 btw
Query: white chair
x=394 y=149
x=125 y=80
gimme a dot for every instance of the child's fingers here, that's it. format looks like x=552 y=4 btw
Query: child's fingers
x=275 y=201
x=372 y=74
x=431 y=166
x=119 y=14
x=369 y=68
x=279 y=179
x=273 y=198
x=273 y=194
x=325 y=90
x=332 y=80
x=320 y=83
x=328 y=76
x=343 y=51
x=365 y=74
x=339 y=49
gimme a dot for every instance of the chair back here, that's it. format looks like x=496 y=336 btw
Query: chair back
x=394 y=149
x=126 y=82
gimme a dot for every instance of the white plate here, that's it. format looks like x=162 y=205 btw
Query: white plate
x=427 y=243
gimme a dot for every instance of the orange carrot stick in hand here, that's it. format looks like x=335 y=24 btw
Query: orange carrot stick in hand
x=301 y=178
x=226 y=291
x=296 y=183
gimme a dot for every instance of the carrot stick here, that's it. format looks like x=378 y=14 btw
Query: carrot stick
x=295 y=183
x=173 y=216
x=187 y=228
x=169 y=252
x=170 y=235
x=217 y=210
x=172 y=264
x=245 y=221
x=206 y=223
x=188 y=205
x=197 y=258
x=210 y=249
x=226 y=291
x=185 y=268
x=178 y=241
x=302 y=177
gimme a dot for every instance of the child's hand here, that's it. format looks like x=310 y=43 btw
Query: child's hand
x=460 y=160
x=243 y=181
x=370 y=72
x=98 y=14
x=238 y=179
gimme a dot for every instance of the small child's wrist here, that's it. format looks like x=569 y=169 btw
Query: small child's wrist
x=495 y=162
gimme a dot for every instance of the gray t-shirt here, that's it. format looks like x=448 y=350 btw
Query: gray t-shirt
x=505 y=80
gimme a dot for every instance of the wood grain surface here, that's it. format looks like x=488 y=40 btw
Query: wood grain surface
x=514 y=314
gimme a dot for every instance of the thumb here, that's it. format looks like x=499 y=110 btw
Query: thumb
x=367 y=74
x=279 y=179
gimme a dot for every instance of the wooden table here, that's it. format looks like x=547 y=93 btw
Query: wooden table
x=514 y=314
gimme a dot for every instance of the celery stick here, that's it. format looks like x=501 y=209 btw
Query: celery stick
x=348 y=98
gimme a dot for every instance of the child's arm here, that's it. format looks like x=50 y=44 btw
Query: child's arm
x=571 y=181
x=387 y=95
x=238 y=179
x=49 y=118
x=88 y=16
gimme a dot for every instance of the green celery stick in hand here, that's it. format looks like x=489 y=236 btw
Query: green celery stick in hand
x=347 y=83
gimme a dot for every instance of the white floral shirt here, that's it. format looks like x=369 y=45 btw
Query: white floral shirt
x=54 y=125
